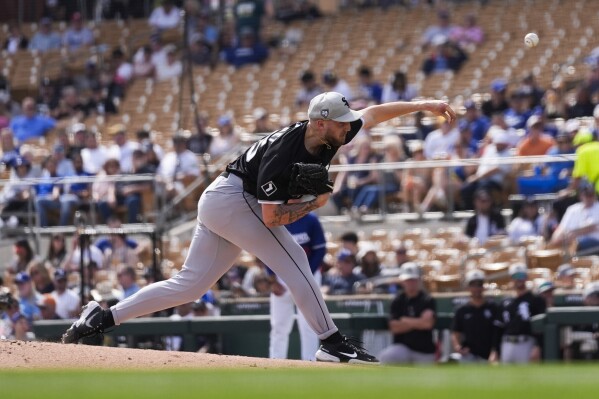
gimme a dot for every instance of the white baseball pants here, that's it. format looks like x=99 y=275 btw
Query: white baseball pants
x=230 y=219
x=282 y=316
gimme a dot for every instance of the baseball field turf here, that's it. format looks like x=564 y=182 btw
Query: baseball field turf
x=481 y=382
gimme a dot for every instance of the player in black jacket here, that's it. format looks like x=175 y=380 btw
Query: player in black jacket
x=518 y=344
x=475 y=326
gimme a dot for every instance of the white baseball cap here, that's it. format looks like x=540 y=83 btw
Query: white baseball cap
x=332 y=106
x=409 y=271
x=590 y=289
x=518 y=271
x=473 y=275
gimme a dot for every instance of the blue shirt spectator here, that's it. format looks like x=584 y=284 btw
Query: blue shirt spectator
x=247 y=52
x=369 y=89
x=77 y=35
x=45 y=39
x=30 y=125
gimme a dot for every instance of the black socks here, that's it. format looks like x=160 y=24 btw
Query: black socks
x=107 y=319
x=334 y=339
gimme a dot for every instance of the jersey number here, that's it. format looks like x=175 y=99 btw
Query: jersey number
x=251 y=153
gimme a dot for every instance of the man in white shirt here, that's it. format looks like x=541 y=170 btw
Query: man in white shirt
x=178 y=167
x=122 y=149
x=490 y=175
x=333 y=83
x=67 y=301
x=580 y=223
x=441 y=143
x=94 y=156
x=172 y=67
x=166 y=16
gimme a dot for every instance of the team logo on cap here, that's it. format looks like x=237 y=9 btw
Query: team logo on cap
x=269 y=188
x=324 y=113
x=345 y=102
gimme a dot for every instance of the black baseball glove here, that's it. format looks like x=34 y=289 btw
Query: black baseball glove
x=309 y=178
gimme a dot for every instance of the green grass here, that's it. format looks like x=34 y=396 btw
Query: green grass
x=482 y=382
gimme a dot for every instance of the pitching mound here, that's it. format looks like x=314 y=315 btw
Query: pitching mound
x=45 y=355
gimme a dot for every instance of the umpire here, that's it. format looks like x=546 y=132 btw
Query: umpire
x=518 y=345
x=475 y=332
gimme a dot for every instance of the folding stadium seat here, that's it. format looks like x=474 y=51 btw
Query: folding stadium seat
x=546 y=258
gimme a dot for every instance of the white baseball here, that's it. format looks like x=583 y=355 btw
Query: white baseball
x=531 y=39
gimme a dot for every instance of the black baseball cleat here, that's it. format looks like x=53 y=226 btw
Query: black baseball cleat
x=89 y=324
x=349 y=350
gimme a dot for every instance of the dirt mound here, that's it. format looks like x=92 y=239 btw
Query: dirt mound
x=44 y=355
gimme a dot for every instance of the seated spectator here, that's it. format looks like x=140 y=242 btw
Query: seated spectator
x=468 y=33
x=442 y=30
x=349 y=184
x=583 y=104
x=47 y=307
x=369 y=265
x=545 y=290
x=15 y=41
x=204 y=29
x=530 y=85
x=10 y=151
x=23 y=255
x=27 y=297
x=226 y=139
x=440 y=143
x=248 y=51
x=40 y=276
x=104 y=189
x=48 y=194
x=106 y=294
x=526 y=224
x=349 y=241
x=142 y=63
x=30 y=125
x=94 y=156
x=122 y=149
x=489 y=175
x=553 y=104
x=519 y=110
x=332 y=82
x=536 y=142
x=16 y=194
x=310 y=89
x=369 y=90
x=77 y=35
x=77 y=194
x=93 y=259
x=21 y=328
x=68 y=302
x=486 y=221
x=385 y=182
x=261 y=122
x=580 y=224
x=415 y=181
x=104 y=243
x=178 y=167
x=498 y=101
x=127 y=280
x=172 y=68
x=342 y=280
x=70 y=105
x=153 y=150
x=45 y=39
x=129 y=194
x=64 y=166
x=561 y=170
x=57 y=251
x=398 y=89
x=166 y=16
x=479 y=124
x=200 y=52
x=100 y=103
x=412 y=320
x=445 y=56
x=123 y=73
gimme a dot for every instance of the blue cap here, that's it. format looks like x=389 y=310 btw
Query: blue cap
x=463 y=125
x=20 y=161
x=345 y=254
x=469 y=104
x=224 y=120
x=22 y=277
x=60 y=274
x=498 y=85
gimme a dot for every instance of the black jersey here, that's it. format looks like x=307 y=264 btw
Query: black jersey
x=265 y=167
x=478 y=327
x=402 y=306
x=516 y=313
